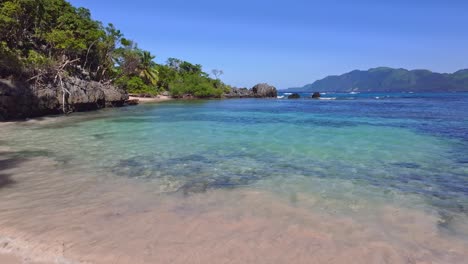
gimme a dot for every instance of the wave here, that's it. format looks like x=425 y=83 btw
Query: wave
x=327 y=98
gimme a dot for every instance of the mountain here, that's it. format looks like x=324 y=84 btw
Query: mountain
x=386 y=79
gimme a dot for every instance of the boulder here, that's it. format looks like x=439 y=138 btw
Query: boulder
x=264 y=90
x=294 y=96
x=115 y=97
x=316 y=95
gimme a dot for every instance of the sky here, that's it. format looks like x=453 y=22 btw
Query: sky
x=295 y=42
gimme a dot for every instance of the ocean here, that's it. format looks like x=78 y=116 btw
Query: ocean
x=349 y=178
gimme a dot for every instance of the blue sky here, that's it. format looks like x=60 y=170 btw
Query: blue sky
x=292 y=43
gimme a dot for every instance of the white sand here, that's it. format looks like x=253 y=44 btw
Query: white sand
x=9 y=259
x=160 y=98
x=93 y=220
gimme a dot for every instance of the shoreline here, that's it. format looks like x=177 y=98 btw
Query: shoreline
x=66 y=206
x=145 y=100
x=139 y=100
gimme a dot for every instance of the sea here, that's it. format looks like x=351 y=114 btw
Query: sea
x=347 y=178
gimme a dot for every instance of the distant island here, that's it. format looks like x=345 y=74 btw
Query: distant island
x=384 y=79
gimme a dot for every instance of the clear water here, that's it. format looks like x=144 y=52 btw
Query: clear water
x=349 y=157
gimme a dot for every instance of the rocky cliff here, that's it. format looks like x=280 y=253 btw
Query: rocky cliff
x=20 y=100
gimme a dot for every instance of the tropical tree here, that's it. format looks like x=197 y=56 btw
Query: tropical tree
x=217 y=73
x=147 y=68
x=43 y=41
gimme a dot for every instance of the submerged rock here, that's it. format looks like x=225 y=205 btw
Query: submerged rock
x=294 y=96
x=19 y=100
x=194 y=187
x=316 y=95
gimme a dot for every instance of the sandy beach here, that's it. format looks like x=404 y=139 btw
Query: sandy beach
x=10 y=259
x=128 y=222
x=159 y=98
x=169 y=184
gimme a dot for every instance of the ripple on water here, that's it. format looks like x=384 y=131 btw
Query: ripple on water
x=233 y=180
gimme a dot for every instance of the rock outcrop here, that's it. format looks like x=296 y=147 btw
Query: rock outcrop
x=21 y=100
x=316 y=95
x=294 y=96
x=262 y=90
x=239 y=93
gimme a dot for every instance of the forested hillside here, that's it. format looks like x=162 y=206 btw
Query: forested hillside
x=385 y=79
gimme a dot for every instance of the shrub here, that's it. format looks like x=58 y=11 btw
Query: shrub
x=136 y=85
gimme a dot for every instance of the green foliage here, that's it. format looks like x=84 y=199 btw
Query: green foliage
x=147 y=68
x=182 y=78
x=167 y=76
x=52 y=34
x=36 y=60
x=136 y=85
x=194 y=84
x=10 y=64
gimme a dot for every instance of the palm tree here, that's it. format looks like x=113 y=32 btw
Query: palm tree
x=147 y=69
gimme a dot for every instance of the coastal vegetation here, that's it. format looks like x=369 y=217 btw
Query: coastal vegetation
x=44 y=41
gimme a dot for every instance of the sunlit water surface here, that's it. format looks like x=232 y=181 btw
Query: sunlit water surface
x=360 y=178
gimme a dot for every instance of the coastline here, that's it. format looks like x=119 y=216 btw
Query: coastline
x=145 y=100
x=87 y=206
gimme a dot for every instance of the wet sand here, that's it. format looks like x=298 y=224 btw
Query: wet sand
x=55 y=210
x=70 y=217
x=10 y=259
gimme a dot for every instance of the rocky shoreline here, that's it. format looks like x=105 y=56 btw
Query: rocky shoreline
x=20 y=100
x=262 y=90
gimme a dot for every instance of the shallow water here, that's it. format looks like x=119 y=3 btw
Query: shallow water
x=375 y=178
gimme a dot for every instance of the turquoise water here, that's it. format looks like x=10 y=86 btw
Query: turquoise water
x=355 y=152
x=414 y=144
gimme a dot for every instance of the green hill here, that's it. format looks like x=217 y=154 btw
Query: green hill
x=385 y=79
